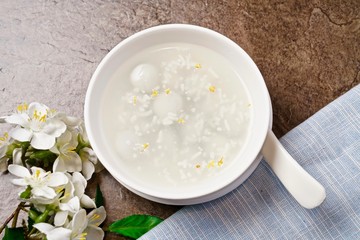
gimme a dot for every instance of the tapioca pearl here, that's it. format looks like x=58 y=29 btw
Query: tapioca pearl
x=145 y=77
x=167 y=103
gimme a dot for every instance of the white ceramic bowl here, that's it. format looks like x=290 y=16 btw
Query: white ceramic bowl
x=246 y=160
x=251 y=78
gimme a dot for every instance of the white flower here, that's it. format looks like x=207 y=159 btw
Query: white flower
x=68 y=159
x=71 y=122
x=73 y=198
x=41 y=182
x=53 y=233
x=89 y=161
x=83 y=133
x=95 y=218
x=66 y=209
x=86 y=227
x=35 y=125
x=80 y=184
x=17 y=153
x=4 y=143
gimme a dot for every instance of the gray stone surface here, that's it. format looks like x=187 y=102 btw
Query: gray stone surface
x=307 y=51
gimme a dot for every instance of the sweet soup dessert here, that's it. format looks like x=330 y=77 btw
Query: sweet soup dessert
x=176 y=113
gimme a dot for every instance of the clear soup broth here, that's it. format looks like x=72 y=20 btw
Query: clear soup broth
x=176 y=114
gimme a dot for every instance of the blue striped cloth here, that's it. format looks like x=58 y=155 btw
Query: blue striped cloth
x=327 y=145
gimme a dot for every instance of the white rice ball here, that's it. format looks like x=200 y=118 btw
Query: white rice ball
x=167 y=103
x=145 y=77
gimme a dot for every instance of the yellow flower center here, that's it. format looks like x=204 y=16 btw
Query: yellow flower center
x=37 y=173
x=22 y=107
x=4 y=138
x=94 y=217
x=82 y=236
x=40 y=117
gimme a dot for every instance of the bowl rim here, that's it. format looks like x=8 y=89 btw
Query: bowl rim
x=133 y=186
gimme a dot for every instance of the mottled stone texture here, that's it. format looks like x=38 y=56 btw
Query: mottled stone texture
x=307 y=51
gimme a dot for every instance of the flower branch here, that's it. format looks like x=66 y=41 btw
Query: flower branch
x=51 y=159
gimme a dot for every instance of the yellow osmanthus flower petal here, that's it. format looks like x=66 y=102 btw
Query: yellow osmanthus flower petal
x=212 y=88
x=134 y=100
x=211 y=164
x=145 y=146
x=197 y=66
x=181 y=120
x=167 y=91
x=154 y=93
x=220 y=162
x=198 y=166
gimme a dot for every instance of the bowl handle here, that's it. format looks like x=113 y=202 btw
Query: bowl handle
x=302 y=186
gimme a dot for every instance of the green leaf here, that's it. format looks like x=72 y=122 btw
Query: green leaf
x=30 y=223
x=99 y=198
x=14 y=233
x=26 y=194
x=134 y=226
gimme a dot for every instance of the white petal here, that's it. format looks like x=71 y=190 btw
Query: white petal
x=38 y=171
x=54 y=149
x=60 y=218
x=64 y=138
x=69 y=191
x=19 y=182
x=87 y=202
x=59 y=165
x=88 y=153
x=96 y=216
x=87 y=169
x=79 y=183
x=44 y=227
x=42 y=141
x=83 y=132
x=44 y=191
x=79 y=178
x=94 y=233
x=21 y=134
x=39 y=202
x=19 y=171
x=17 y=153
x=54 y=127
x=19 y=119
x=39 y=107
x=72 y=206
x=73 y=162
x=71 y=122
x=79 y=222
x=57 y=179
x=59 y=234
x=3 y=164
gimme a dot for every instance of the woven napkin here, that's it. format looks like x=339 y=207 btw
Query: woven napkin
x=327 y=145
